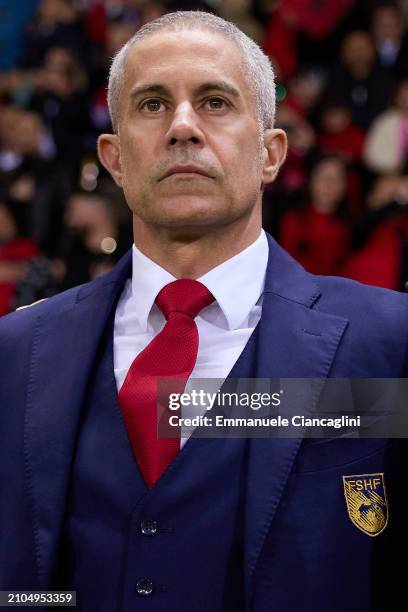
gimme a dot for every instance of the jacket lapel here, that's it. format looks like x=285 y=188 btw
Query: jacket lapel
x=295 y=341
x=64 y=346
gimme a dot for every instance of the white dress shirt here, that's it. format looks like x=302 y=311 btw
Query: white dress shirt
x=224 y=327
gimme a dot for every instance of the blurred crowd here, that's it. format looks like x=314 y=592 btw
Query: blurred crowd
x=339 y=205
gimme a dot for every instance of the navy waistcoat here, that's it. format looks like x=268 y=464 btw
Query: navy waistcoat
x=177 y=547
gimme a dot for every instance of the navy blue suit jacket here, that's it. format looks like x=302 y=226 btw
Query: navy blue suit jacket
x=302 y=551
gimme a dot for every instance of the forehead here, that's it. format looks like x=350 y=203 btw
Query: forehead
x=185 y=58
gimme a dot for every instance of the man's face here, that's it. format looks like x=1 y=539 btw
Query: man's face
x=186 y=109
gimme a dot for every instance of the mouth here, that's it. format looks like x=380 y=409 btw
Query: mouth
x=185 y=172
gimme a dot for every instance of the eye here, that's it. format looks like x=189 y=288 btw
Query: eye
x=216 y=103
x=153 y=105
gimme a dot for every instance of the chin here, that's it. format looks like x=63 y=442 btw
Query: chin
x=192 y=211
x=190 y=221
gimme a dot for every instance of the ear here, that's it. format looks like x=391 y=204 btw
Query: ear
x=275 y=149
x=109 y=156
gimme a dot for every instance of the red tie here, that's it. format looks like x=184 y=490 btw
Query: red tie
x=171 y=354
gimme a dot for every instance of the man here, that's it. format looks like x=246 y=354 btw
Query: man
x=93 y=501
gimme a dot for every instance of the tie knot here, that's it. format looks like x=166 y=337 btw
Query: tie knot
x=184 y=295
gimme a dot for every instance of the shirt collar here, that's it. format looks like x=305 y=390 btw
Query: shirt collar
x=236 y=284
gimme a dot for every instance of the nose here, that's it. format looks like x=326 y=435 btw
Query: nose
x=185 y=127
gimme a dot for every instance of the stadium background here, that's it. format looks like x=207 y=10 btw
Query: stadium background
x=340 y=203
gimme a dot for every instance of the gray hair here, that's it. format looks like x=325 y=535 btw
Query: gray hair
x=257 y=66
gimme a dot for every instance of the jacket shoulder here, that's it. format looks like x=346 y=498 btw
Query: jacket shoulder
x=355 y=300
x=376 y=336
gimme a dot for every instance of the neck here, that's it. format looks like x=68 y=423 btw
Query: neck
x=192 y=252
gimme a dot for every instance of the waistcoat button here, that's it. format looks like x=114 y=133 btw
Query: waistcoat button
x=148 y=527
x=144 y=587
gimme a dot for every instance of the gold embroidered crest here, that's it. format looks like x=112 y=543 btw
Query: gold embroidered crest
x=366 y=501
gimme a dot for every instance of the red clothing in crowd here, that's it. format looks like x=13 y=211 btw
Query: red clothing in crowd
x=348 y=143
x=280 y=45
x=379 y=261
x=97 y=23
x=316 y=19
x=318 y=241
x=19 y=250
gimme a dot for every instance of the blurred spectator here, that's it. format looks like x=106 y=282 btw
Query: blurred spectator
x=56 y=24
x=315 y=19
x=289 y=187
x=358 y=82
x=304 y=91
x=301 y=143
x=117 y=33
x=40 y=281
x=103 y=12
x=378 y=240
x=386 y=148
x=318 y=234
x=280 y=44
x=29 y=179
x=390 y=38
x=297 y=30
x=339 y=134
x=60 y=96
x=97 y=236
x=15 y=253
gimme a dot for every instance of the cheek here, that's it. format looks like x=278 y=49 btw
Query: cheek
x=136 y=164
x=242 y=157
x=248 y=165
x=136 y=145
x=130 y=155
x=245 y=179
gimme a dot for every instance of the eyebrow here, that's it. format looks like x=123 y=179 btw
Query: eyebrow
x=162 y=90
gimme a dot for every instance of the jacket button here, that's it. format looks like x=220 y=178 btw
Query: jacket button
x=144 y=587
x=148 y=527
